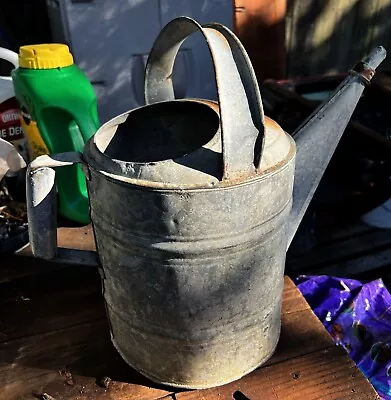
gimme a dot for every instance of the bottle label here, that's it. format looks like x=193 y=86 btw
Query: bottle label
x=36 y=145
x=10 y=126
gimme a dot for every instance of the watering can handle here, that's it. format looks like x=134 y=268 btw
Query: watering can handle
x=241 y=111
x=42 y=210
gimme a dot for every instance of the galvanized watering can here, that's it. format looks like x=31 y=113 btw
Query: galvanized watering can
x=191 y=210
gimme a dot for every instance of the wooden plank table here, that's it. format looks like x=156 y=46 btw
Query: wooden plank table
x=349 y=250
x=54 y=339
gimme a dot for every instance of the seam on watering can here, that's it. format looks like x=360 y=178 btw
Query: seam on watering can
x=180 y=255
x=189 y=247
x=184 y=384
x=155 y=252
x=220 y=185
x=172 y=334
x=100 y=220
x=178 y=239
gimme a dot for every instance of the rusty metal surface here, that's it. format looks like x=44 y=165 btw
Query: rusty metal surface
x=190 y=235
x=364 y=72
x=366 y=68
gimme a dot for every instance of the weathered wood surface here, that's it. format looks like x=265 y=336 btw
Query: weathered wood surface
x=325 y=374
x=350 y=251
x=70 y=238
x=54 y=339
x=25 y=265
x=54 y=323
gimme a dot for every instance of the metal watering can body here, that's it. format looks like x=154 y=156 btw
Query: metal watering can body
x=190 y=203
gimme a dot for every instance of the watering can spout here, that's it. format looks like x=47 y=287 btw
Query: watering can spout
x=317 y=138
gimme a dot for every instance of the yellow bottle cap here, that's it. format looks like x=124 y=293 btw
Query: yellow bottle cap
x=45 y=56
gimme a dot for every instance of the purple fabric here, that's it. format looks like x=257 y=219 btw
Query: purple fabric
x=358 y=317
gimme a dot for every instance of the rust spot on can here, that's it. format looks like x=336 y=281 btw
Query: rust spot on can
x=363 y=70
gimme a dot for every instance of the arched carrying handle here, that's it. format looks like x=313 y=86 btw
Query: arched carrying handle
x=241 y=111
x=42 y=210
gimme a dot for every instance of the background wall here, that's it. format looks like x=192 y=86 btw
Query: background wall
x=284 y=38
x=260 y=25
x=324 y=36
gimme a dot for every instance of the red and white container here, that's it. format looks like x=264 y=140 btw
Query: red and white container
x=13 y=145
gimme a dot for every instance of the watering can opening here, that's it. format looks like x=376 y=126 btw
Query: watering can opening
x=159 y=132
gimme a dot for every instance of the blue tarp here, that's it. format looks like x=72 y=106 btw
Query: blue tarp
x=358 y=317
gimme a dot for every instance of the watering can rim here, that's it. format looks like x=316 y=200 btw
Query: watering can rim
x=108 y=166
x=220 y=185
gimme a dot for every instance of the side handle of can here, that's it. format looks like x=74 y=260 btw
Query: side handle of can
x=42 y=210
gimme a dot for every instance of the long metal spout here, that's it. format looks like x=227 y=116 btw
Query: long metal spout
x=317 y=138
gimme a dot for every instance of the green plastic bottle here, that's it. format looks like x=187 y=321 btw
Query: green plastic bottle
x=58 y=114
